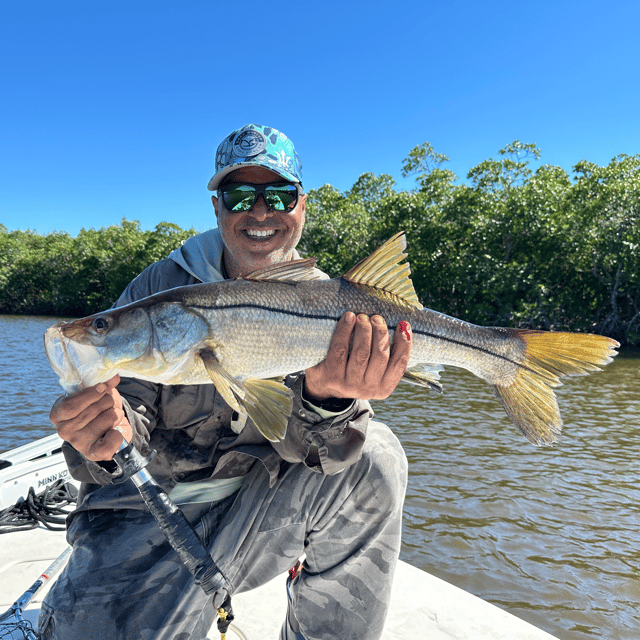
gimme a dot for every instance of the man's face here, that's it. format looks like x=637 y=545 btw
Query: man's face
x=247 y=246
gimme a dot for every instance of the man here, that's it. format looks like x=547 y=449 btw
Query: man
x=333 y=488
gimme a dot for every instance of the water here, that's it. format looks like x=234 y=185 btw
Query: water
x=549 y=534
x=28 y=386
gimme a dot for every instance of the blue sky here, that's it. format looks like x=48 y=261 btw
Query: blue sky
x=113 y=110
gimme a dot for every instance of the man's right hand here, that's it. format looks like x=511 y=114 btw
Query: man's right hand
x=93 y=420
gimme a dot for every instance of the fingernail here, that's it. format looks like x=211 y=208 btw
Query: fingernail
x=405 y=329
x=101 y=387
x=349 y=317
x=377 y=319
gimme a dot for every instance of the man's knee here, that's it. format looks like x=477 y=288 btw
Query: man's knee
x=385 y=466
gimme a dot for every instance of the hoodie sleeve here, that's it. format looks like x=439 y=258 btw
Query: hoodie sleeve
x=326 y=443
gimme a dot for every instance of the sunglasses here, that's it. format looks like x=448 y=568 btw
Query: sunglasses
x=242 y=197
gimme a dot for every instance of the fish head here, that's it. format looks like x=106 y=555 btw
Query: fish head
x=154 y=341
x=89 y=350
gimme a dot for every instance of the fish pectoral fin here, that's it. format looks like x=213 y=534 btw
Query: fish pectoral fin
x=228 y=387
x=425 y=375
x=292 y=271
x=268 y=403
x=383 y=274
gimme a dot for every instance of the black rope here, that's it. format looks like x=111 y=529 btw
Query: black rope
x=48 y=508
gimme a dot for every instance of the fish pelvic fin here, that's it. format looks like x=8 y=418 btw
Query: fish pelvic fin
x=384 y=274
x=268 y=403
x=549 y=356
x=425 y=375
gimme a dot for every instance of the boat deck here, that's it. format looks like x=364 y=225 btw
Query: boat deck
x=422 y=606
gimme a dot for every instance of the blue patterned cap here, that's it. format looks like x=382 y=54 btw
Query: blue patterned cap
x=257 y=145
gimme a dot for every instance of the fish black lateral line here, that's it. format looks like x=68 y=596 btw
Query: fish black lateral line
x=245 y=335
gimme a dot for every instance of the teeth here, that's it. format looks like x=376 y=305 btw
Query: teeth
x=260 y=233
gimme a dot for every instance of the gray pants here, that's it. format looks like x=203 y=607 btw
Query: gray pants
x=125 y=582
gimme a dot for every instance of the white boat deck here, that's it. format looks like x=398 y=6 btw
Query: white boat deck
x=422 y=606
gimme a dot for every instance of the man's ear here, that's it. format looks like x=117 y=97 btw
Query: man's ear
x=302 y=202
x=214 y=200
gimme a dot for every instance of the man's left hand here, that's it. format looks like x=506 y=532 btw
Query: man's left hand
x=370 y=369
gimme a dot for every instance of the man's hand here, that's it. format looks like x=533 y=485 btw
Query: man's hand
x=88 y=420
x=371 y=370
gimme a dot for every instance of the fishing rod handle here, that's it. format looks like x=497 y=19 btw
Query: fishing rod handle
x=130 y=462
x=182 y=537
x=176 y=528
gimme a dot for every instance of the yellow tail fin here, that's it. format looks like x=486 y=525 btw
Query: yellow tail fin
x=529 y=400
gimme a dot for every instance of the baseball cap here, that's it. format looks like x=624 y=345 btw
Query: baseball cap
x=257 y=145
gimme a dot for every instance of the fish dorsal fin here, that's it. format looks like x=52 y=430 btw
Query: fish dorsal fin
x=383 y=275
x=292 y=271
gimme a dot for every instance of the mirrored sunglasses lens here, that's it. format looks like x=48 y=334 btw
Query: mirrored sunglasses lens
x=240 y=198
x=282 y=197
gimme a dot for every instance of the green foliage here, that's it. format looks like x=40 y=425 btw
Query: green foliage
x=60 y=275
x=514 y=246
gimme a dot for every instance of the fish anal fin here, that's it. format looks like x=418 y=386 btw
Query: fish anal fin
x=549 y=356
x=425 y=375
x=268 y=403
x=291 y=271
x=383 y=273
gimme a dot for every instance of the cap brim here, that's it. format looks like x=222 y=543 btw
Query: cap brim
x=214 y=183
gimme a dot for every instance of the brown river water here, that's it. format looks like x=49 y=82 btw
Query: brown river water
x=549 y=534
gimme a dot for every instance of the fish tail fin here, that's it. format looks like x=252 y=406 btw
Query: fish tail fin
x=549 y=356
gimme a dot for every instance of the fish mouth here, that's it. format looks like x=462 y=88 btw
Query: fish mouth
x=76 y=364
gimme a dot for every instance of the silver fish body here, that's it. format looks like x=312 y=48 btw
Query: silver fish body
x=268 y=329
x=241 y=334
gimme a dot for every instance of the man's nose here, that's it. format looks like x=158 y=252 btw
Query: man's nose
x=261 y=209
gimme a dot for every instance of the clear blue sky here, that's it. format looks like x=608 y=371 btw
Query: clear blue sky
x=115 y=109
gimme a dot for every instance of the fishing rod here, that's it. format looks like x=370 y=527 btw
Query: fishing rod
x=176 y=528
x=11 y=621
x=178 y=531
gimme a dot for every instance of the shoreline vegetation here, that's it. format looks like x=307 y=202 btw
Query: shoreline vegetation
x=511 y=246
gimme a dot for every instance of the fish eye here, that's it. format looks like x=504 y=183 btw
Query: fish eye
x=100 y=324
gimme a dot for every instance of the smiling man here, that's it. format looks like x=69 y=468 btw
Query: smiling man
x=332 y=489
x=264 y=234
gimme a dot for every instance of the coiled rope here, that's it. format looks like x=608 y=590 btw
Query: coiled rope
x=48 y=508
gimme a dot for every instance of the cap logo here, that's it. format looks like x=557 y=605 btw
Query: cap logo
x=249 y=143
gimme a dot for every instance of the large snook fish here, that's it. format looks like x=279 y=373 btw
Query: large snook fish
x=241 y=334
